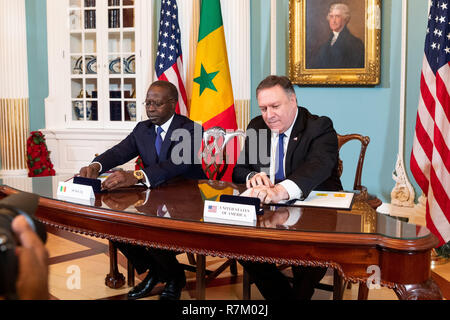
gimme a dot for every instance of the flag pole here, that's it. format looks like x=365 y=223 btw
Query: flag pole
x=403 y=194
x=273 y=37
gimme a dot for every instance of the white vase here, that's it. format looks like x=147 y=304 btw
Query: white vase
x=131 y=108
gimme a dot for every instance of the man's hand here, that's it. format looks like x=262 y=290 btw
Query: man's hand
x=270 y=194
x=32 y=279
x=119 y=179
x=122 y=201
x=272 y=219
x=260 y=179
x=91 y=171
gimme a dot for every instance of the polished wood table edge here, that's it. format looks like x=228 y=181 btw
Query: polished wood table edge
x=310 y=248
x=230 y=255
x=360 y=239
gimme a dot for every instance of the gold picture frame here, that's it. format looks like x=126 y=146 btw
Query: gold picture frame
x=310 y=37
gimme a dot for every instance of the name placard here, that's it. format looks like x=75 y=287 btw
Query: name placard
x=229 y=212
x=75 y=191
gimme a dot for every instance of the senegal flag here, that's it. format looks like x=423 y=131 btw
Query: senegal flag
x=212 y=97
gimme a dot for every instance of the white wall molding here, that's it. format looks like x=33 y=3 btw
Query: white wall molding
x=75 y=148
x=14 y=97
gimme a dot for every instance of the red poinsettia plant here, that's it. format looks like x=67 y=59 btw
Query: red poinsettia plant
x=38 y=156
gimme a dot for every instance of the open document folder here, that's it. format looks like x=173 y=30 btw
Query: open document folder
x=327 y=199
x=321 y=199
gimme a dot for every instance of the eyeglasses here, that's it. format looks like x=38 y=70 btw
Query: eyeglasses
x=156 y=104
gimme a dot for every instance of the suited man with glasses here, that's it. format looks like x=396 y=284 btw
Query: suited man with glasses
x=151 y=140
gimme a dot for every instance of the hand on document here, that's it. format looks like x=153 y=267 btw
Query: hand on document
x=260 y=186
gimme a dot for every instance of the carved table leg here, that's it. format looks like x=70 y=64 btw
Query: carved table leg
x=114 y=279
x=428 y=290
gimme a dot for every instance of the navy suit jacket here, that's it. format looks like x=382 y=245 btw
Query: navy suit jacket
x=141 y=142
x=311 y=157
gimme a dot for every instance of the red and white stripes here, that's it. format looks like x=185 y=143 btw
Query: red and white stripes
x=430 y=159
x=174 y=75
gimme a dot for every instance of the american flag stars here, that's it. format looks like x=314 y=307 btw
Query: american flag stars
x=169 y=33
x=438 y=32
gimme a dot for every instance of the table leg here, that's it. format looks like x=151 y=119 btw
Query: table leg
x=246 y=286
x=201 y=277
x=363 y=291
x=338 y=286
x=114 y=279
x=130 y=275
x=428 y=290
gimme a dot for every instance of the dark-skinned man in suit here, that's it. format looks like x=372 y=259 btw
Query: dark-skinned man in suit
x=153 y=140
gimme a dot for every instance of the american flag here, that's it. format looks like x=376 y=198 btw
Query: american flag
x=430 y=158
x=212 y=209
x=169 y=57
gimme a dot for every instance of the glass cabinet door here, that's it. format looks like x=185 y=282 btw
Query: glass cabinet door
x=103 y=63
x=121 y=60
x=83 y=57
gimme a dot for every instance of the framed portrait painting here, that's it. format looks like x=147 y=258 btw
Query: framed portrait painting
x=335 y=42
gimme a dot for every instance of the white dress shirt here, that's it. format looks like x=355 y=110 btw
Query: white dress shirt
x=335 y=37
x=291 y=187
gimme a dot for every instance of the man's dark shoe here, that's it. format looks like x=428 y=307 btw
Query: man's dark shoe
x=173 y=288
x=144 y=288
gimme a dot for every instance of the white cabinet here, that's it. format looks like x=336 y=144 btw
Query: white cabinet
x=99 y=57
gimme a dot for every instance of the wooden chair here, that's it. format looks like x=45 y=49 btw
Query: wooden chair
x=362 y=153
x=338 y=286
x=372 y=200
x=215 y=141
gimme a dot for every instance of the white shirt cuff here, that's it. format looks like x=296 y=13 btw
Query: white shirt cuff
x=295 y=213
x=146 y=182
x=292 y=189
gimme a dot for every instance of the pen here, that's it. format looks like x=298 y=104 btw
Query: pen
x=72 y=177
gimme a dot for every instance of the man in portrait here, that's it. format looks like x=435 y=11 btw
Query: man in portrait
x=342 y=50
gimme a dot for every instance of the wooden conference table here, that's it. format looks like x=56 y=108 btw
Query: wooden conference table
x=171 y=217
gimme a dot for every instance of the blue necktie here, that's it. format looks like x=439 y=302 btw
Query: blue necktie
x=279 y=175
x=159 y=141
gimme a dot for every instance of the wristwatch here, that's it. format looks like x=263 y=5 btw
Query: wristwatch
x=139 y=174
